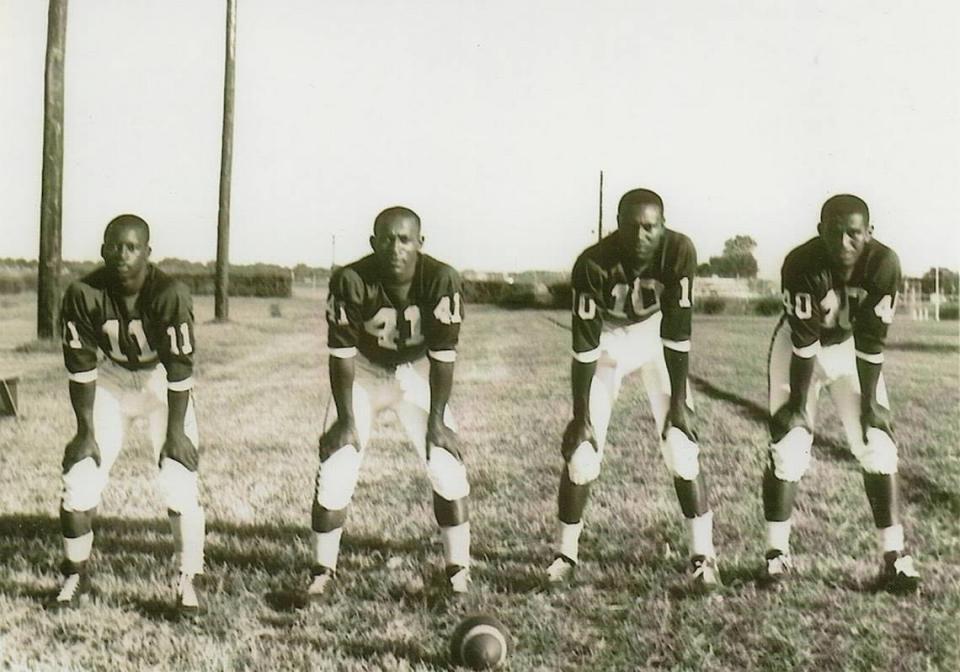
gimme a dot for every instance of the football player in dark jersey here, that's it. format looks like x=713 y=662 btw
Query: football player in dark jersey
x=632 y=304
x=128 y=348
x=393 y=320
x=839 y=295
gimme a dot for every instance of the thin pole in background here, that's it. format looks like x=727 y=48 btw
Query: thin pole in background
x=221 y=301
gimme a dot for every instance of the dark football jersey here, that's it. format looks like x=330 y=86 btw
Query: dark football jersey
x=822 y=308
x=607 y=295
x=361 y=317
x=159 y=328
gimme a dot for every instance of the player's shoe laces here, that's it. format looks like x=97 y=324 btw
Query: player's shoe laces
x=459 y=578
x=778 y=566
x=561 y=569
x=187 y=602
x=74 y=587
x=704 y=575
x=898 y=574
x=322 y=576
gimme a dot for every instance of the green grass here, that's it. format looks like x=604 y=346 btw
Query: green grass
x=261 y=394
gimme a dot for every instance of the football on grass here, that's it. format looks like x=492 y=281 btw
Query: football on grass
x=480 y=642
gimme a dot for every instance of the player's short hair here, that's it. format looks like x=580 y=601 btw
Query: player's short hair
x=127 y=220
x=392 y=212
x=636 y=197
x=844 y=205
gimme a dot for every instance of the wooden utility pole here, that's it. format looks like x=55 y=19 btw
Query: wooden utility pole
x=600 y=214
x=221 y=308
x=51 y=190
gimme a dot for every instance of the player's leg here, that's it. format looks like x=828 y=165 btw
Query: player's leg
x=447 y=473
x=336 y=481
x=789 y=458
x=82 y=487
x=682 y=458
x=582 y=469
x=878 y=458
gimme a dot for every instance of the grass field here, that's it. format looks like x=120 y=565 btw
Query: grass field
x=261 y=391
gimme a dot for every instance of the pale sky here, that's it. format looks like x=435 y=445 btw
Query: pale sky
x=492 y=120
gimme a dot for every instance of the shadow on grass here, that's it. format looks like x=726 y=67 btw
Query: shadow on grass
x=918 y=489
x=918 y=346
x=372 y=650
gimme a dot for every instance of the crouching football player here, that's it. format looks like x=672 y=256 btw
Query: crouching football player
x=839 y=292
x=393 y=322
x=632 y=306
x=141 y=320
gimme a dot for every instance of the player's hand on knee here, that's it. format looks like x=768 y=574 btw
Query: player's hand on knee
x=578 y=431
x=179 y=448
x=785 y=419
x=439 y=435
x=342 y=433
x=875 y=417
x=80 y=447
x=679 y=418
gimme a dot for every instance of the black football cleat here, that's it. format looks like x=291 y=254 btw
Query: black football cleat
x=898 y=574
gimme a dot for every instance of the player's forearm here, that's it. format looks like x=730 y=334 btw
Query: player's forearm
x=581 y=376
x=342 y=371
x=441 y=385
x=678 y=364
x=82 y=396
x=801 y=373
x=177 y=401
x=869 y=374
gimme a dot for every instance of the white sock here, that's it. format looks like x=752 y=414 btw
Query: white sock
x=569 y=536
x=77 y=549
x=326 y=547
x=456 y=544
x=189 y=531
x=700 y=530
x=891 y=538
x=778 y=535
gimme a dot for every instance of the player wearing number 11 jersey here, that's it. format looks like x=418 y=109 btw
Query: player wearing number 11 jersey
x=128 y=347
x=839 y=294
x=632 y=305
x=393 y=322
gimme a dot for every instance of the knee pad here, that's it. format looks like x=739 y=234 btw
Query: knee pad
x=879 y=454
x=791 y=455
x=584 y=464
x=337 y=478
x=179 y=487
x=83 y=485
x=448 y=475
x=681 y=455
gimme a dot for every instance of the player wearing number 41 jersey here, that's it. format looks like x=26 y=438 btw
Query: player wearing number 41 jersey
x=128 y=348
x=393 y=321
x=839 y=293
x=632 y=307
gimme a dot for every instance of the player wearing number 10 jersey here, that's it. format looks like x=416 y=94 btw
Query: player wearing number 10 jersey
x=632 y=307
x=128 y=347
x=839 y=293
x=393 y=321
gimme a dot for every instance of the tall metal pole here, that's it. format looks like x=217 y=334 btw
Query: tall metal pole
x=221 y=308
x=51 y=190
x=600 y=214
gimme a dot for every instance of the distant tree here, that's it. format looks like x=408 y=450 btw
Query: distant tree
x=737 y=260
x=704 y=270
x=949 y=281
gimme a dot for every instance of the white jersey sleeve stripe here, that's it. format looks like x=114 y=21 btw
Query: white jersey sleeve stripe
x=180 y=385
x=587 y=357
x=83 y=376
x=343 y=353
x=448 y=356
x=677 y=346
x=876 y=358
x=808 y=351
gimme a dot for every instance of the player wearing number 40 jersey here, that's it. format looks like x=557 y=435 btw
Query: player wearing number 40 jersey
x=632 y=299
x=393 y=321
x=128 y=348
x=839 y=293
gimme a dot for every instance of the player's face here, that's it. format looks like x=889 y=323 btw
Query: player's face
x=845 y=238
x=641 y=230
x=125 y=252
x=396 y=246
